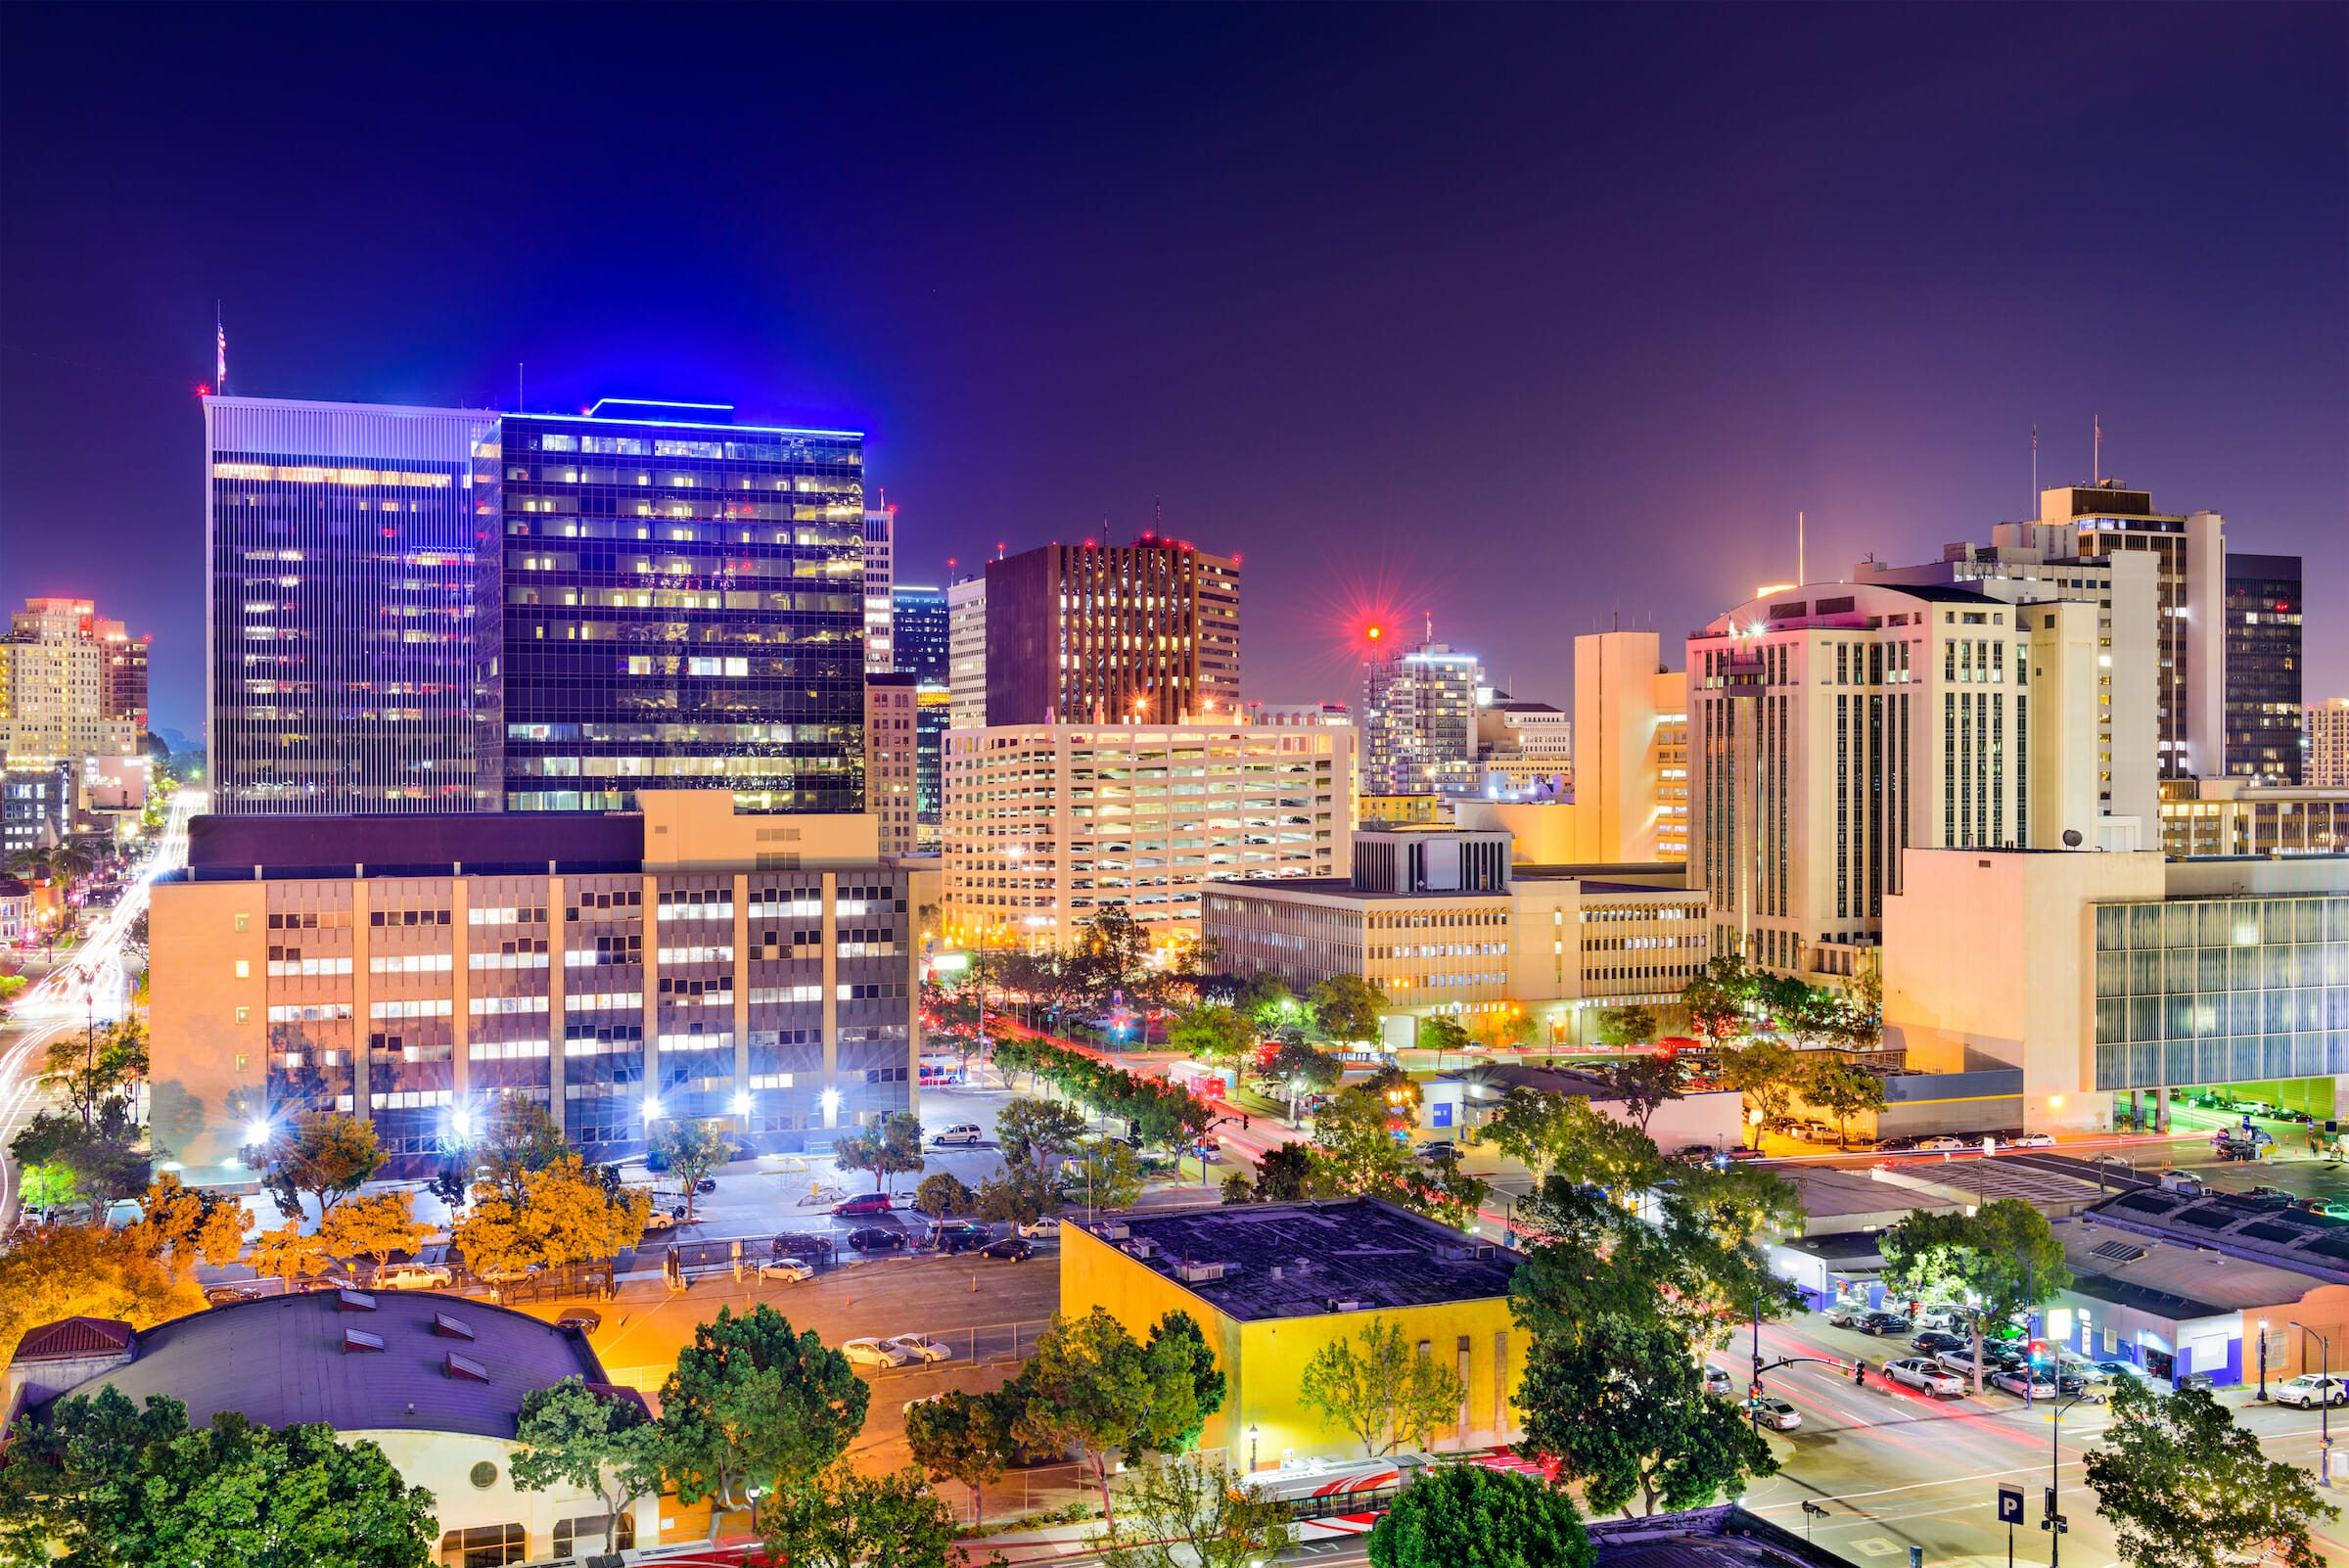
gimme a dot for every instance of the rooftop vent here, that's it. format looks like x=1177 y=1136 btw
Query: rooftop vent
x=1194 y=1272
x=2118 y=1252
x=1140 y=1247
x=467 y=1369
x=448 y=1327
x=1457 y=1250
x=1277 y=1271
x=1341 y=1304
x=1114 y=1230
x=354 y=1300
x=354 y=1340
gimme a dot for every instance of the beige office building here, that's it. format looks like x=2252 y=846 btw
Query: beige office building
x=892 y=736
x=59 y=684
x=2240 y=816
x=966 y=653
x=2327 y=726
x=1047 y=823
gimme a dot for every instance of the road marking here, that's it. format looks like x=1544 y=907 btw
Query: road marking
x=1877 y=1546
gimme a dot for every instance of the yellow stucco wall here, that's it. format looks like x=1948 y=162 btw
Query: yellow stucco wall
x=1263 y=1360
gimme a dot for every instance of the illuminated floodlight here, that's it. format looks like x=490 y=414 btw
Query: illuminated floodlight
x=460 y=1122
x=831 y=1099
x=652 y=1107
x=742 y=1102
x=258 y=1132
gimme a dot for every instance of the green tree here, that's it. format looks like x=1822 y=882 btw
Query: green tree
x=1632 y=1025
x=1347 y=1007
x=1565 y=1135
x=327 y=1157
x=1111 y=951
x=1842 y=1089
x=1178 y=1349
x=1443 y=1036
x=1038 y=1132
x=518 y=1135
x=1235 y=1189
x=100 y=1064
x=1265 y=1001
x=942 y=1194
x=1717 y=1000
x=1213 y=1034
x=590 y=1439
x=1465 y=1516
x=963 y=1437
x=1386 y=1394
x=1191 y=1512
x=1287 y=1173
x=1298 y=1068
x=2187 y=1488
x=891 y=1149
x=1862 y=1004
x=1019 y=1195
x=1091 y=1385
x=1643 y=1085
x=47 y=1186
x=1109 y=1176
x=1766 y=1073
x=690 y=1151
x=851 y=1520
x=2003 y=1254
x=753 y=1405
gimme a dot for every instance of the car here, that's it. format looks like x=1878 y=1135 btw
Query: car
x=1774 y=1414
x=1884 y=1324
x=1847 y=1314
x=586 y=1319
x=787 y=1271
x=1932 y=1341
x=2086 y=1371
x=1047 y=1225
x=1206 y=1151
x=309 y=1283
x=2082 y=1389
x=921 y=1347
x=2120 y=1369
x=223 y=1295
x=1917 y=1372
x=1939 y=1145
x=2024 y=1380
x=1895 y=1145
x=413 y=1277
x=865 y=1203
x=1819 y=1133
x=876 y=1238
x=873 y=1353
x=507 y=1276
x=1694 y=1153
x=1962 y=1362
x=964 y=1134
x=705 y=1184
x=657 y=1221
x=1944 y=1316
x=959 y=1235
x=1011 y=1249
x=1717 y=1382
x=2031 y=1140
x=1740 y=1151
x=800 y=1244
x=2309 y=1388
x=2201 y=1380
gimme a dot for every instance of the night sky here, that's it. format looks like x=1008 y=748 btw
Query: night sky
x=1520 y=317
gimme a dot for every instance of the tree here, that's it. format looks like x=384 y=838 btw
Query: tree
x=1019 y=1195
x=1111 y=951
x=1842 y=1089
x=1766 y=1072
x=1288 y=1173
x=1716 y=1000
x=1862 y=1004
x=1644 y=1084
x=941 y=1195
x=1178 y=1349
x=44 y=1188
x=690 y=1151
x=2187 y=1488
x=1191 y=1512
x=2004 y=1254
x=893 y=1148
x=1627 y=1026
x=288 y=1254
x=852 y=1520
x=1387 y=1394
x=565 y=1215
x=328 y=1157
x=963 y=1437
x=1357 y=1152
x=1297 y=1066
x=1038 y=1132
x=1235 y=1189
x=375 y=1226
x=1213 y=1034
x=592 y=1441
x=107 y=1172
x=87 y=1271
x=1091 y=1385
x=1465 y=1516
x=1264 y=1000
x=1510 y=1028
x=96 y=1065
x=183 y=1224
x=1347 y=1007
x=113 y=1484
x=519 y=1135
x=753 y=1405
x=1443 y=1036
x=1110 y=1175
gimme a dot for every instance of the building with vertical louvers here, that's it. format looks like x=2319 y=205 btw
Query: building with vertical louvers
x=1147 y=632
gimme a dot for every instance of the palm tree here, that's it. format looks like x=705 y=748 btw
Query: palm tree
x=71 y=862
x=32 y=862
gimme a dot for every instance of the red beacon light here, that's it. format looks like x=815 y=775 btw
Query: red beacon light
x=1374 y=633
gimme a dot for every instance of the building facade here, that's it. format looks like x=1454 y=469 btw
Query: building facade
x=1147 y=632
x=71 y=685
x=918 y=633
x=1045 y=825
x=2326 y=729
x=684 y=961
x=684 y=609
x=355 y=575
x=2263 y=667
x=933 y=713
x=891 y=737
x=2244 y=817
x=880 y=597
x=1418 y=723
x=1631 y=777
x=966 y=653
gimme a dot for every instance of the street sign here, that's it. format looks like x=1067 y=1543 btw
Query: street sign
x=2051 y=1495
x=2011 y=1505
x=2059 y=1524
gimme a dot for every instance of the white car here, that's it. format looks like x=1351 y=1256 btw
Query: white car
x=660 y=1219
x=1941 y=1145
x=788 y=1270
x=1962 y=1362
x=1048 y=1226
x=2031 y=1140
x=873 y=1353
x=413 y=1277
x=965 y=1134
x=922 y=1348
x=2023 y=1380
x=1774 y=1413
x=1916 y=1371
x=2309 y=1388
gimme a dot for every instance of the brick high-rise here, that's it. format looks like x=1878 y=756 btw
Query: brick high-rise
x=1147 y=632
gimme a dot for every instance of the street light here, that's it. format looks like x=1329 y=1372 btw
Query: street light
x=2324 y=1407
x=1251 y=1436
x=652 y=1108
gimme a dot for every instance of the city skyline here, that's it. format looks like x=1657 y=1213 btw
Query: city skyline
x=1489 y=412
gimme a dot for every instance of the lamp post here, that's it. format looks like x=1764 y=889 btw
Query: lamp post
x=2262 y=1362
x=2324 y=1407
x=1251 y=1436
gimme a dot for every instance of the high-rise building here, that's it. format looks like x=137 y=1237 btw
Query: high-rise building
x=918 y=633
x=880 y=573
x=124 y=693
x=59 y=683
x=684 y=604
x=1147 y=632
x=933 y=713
x=1419 y=721
x=1838 y=726
x=966 y=653
x=356 y=578
x=2326 y=725
x=1631 y=767
x=2263 y=667
x=891 y=729
x=1045 y=825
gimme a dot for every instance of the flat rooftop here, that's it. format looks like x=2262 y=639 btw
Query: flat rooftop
x=2175 y=1279
x=1298 y=1259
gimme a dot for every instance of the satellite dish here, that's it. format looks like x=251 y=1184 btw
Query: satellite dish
x=2071 y=838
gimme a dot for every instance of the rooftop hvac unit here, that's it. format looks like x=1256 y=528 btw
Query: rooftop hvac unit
x=1140 y=1247
x=1113 y=1232
x=1195 y=1273
x=1343 y=1305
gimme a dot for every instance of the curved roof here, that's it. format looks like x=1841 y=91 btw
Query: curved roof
x=281 y=1361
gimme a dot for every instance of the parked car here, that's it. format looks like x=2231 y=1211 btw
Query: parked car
x=865 y=1203
x=1918 y=1372
x=2024 y=1380
x=1695 y=1153
x=706 y=1186
x=1740 y=1151
x=1941 y=1144
x=966 y=1134
x=873 y=1353
x=309 y=1283
x=2118 y=1369
x=507 y=1276
x=1716 y=1381
x=921 y=1347
x=1011 y=1249
x=657 y=1221
x=959 y=1235
x=414 y=1277
x=2201 y=1380
x=1932 y=1341
x=802 y=1244
x=1944 y=1316
x=787 y=1271
x=1962 y=1362
x=1048 y=1226
x=2031 y=1140
x=2073 y=1385
x=2309 y=1388
x=1439 y=1149
x=223 y=1295
x=876 y=1238
x=1847 y=1313
x=1774 y=1413
x=1881 y=1323
x=1207 y=1151
x=586 y=1319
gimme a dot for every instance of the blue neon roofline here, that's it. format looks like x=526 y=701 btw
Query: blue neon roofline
x=659 y=402
x=687 y=424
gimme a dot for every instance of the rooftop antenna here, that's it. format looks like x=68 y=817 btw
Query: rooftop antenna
x=2099 y=470
x=518 y=386
x=1431 y=626
x=2034 y=508
x=219 y=352
x=1802 y=573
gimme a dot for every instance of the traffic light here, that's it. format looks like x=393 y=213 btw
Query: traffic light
x=2043 y=1354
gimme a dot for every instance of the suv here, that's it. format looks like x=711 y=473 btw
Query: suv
x=965 y=1133
x=2309 y=1388
x=1884 y=1324
x=959 y=1235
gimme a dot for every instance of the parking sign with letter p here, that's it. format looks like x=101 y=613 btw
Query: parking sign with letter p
x=2011 y=1505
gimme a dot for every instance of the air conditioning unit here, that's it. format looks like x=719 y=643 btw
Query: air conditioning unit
x=1342 y=1305
x=1140 y=1247
x=1194 y=1272
x=1113 y=1231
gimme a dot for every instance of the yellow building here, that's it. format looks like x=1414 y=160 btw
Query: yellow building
x=1396 y=810
x=1270 y=1284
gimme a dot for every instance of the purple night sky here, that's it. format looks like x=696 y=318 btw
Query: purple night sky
x=1519 y=316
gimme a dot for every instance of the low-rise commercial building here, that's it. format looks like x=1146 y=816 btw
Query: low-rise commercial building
x=1269 y=1284
x=2243 y=816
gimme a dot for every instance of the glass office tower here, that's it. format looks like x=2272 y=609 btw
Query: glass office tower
x=918 y=631
x=353 y=641
x=2263 y=667
x=684 y=604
